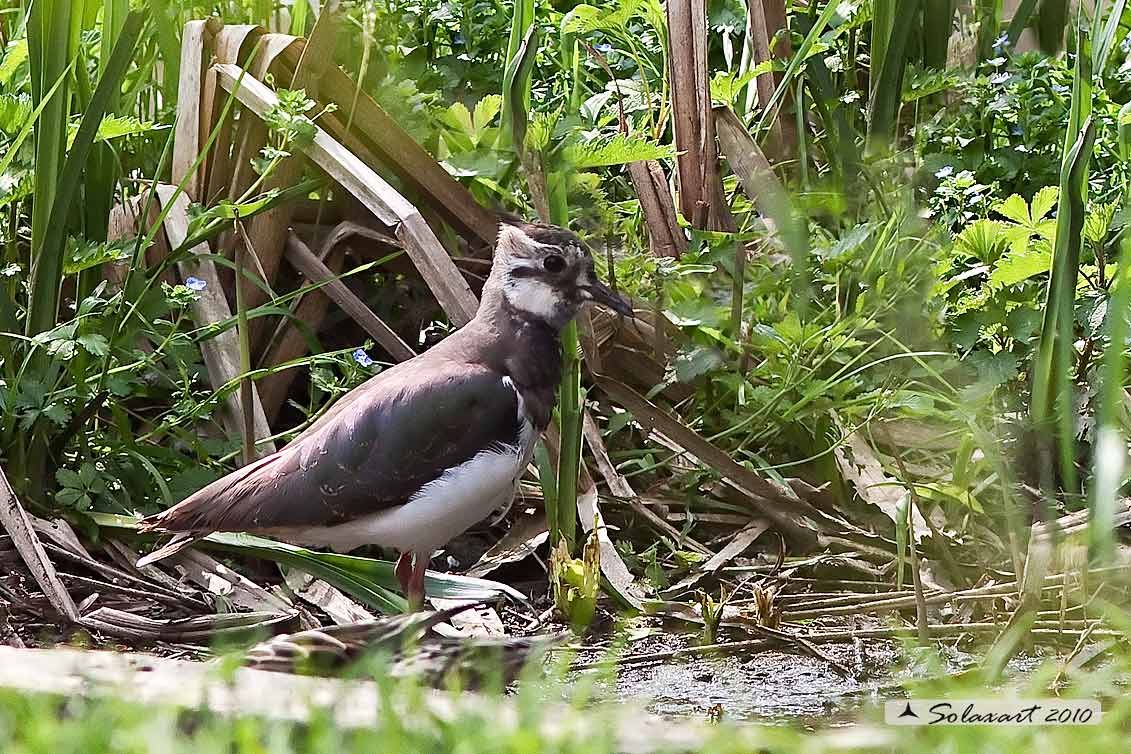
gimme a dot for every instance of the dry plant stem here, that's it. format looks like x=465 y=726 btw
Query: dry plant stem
x=902 y=603
x=14 y=520
x=620 y=487
x=770 y=500
x=221 y=352
x=802 y=643
x=316 y=271
x=1047 y=630
x=246 y=388
x=149 y=589
x=388 y=205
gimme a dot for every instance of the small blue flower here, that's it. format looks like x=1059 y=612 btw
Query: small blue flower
x=457 y=39
x=603 y=48
x=362 y=358
x=1060 y=88
x=1001 y=42
x=999 y=78
x=944 y=172
x=195 y=284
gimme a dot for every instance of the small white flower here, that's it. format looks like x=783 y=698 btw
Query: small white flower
x=944 y=172
x=195 y=284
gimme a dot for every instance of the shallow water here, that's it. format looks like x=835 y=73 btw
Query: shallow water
x=785 y=688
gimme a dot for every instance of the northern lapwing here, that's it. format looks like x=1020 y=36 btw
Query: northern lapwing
x=424 y=450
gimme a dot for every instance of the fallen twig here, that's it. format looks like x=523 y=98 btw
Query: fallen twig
x=15 y=521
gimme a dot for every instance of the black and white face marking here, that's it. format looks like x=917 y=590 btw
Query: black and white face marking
x=547 y=274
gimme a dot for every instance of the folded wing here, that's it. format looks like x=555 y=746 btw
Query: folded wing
x=395 y=434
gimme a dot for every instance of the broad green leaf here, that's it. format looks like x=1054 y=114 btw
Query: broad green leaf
x=68 y=478
x=618 y=150
x=486 y=110
x=1016 y=267
x=1044 y=201
x=94 y=344
x=13 y=57
x=985 y=240
x=458 y=116
x=370 y=581
x=1015 y=209
x=587 y=18
x=117 y=126
x=15 y=109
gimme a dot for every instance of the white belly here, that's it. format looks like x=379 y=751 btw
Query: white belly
x=440 y=511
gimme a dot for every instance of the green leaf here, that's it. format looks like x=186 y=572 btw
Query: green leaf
x=15 y=109
x=95 y=344
x=118 y=126
x=617 y=150
x=370 y=581
x=485 y=111
x=458 y=116
x=1016 y=267
x=1015 y=209
x=69 y=478
x=69 y=496
x=88 y=475
x=1044 y=201
x=15 y=55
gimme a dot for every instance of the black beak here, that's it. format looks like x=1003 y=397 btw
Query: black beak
x=602 y=294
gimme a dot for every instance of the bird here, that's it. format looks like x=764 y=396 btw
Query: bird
x=427 y=448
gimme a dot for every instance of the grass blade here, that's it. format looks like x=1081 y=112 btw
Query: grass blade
x=48 y=271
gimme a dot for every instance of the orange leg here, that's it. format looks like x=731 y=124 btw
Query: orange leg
x=415 y=590
x=404 y=571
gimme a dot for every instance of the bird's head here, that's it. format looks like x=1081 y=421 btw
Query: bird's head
x=546 y=273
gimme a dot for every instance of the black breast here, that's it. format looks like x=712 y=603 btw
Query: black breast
x=536 y=369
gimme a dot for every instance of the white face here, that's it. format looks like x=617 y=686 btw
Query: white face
x=546 y=273
x=542 y=280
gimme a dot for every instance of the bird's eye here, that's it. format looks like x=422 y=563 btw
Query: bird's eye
x=553 y=263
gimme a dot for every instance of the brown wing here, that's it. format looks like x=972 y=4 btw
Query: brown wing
x=395 y=434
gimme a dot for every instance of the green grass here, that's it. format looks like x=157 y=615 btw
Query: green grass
x=48 y=725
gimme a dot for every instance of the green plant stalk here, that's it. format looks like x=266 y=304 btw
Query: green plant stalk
x=1051 y=404
x=989 y=21
x=887 y=87
x=883 y=22
x=516 y=77
x=101 y=175
x=48 y=273
x=569 y=454
x=1110 y=450
x=938 y=19
x=49 y=55
x=298 y=17
x=1052 y=20
x=1021 y=17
